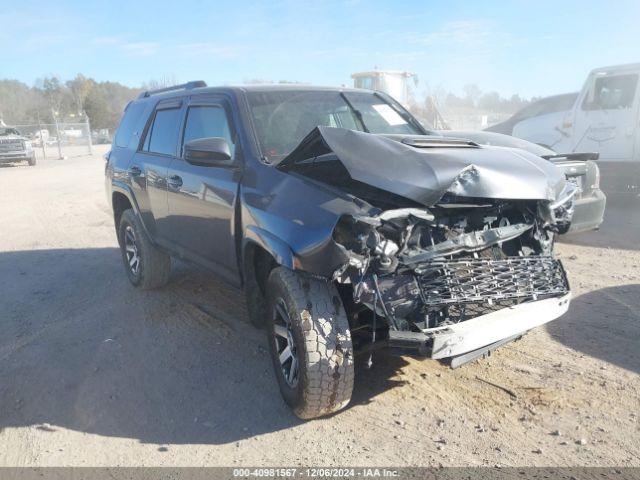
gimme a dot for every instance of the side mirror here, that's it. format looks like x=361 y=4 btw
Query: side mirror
x=207 y=152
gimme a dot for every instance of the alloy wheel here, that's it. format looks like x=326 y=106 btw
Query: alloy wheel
x=131 y=250
x=285 y=345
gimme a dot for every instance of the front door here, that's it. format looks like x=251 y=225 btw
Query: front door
x=202 y=199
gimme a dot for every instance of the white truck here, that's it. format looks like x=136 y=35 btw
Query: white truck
x=604 y=118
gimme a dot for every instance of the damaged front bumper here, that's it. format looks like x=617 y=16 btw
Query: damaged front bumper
x=487 y=303
x=491 y=328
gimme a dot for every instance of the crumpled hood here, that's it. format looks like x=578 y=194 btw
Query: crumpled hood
x=424 y=174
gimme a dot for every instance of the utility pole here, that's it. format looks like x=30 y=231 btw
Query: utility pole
x=55 y=120
x=88 y=127
x=44 y=152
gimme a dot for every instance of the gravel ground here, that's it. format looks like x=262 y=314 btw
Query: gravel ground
x=93 y=372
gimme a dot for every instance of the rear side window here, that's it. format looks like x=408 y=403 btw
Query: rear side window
x=208 y=121
x=611 y=93
x=128 y=124
x=162 y=136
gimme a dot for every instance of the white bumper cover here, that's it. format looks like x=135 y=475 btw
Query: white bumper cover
x=484 y=330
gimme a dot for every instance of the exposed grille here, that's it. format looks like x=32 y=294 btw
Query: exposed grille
x=11 y=145
x=486 y=281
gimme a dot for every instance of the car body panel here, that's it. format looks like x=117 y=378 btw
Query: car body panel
x=543 y=129
x=533 y=122
x=590 y=200
x=426 y=174
x=603 y=123
x=486 y=329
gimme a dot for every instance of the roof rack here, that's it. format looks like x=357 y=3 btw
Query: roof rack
x=183 y=86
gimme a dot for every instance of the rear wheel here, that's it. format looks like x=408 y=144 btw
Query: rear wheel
x=32 y=161
x=310 y=343
x=146 y=265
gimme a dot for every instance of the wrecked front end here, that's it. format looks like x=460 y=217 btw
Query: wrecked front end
x=458 y=257
x=462 y=279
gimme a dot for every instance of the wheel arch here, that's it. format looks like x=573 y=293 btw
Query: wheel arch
x=120 y=202
x=276 y=248
x=261 y=253
x=122 y=198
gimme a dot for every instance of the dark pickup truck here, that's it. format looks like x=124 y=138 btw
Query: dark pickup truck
x=348 y=226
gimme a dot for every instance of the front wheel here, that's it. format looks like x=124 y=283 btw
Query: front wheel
x=310 y=343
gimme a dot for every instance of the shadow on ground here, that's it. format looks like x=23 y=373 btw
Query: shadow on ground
x=84 y=350
x=604 y=324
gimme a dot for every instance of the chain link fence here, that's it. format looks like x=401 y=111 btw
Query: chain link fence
x=62 y=140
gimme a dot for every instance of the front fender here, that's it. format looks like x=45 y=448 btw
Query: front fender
x=276 y=247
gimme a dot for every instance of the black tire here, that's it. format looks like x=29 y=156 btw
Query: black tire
x=320 y=331
x=153 y=266
x=32 y=161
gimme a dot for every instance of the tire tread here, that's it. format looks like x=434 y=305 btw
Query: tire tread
x=329 y=352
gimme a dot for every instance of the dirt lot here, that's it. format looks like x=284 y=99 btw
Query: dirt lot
x=93 y=372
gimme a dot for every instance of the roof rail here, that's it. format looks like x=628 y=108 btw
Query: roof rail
x=183 y=86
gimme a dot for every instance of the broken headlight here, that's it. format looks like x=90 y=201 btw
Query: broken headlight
x=558 y=214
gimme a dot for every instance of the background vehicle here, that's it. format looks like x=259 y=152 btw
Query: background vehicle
x=344 y=222
x=538 y=122
x=14 y=147
x=579 y=168
x=394 y=83
x=604 y=118
x=102 y=136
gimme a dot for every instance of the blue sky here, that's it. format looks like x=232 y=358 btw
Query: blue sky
x=526 y=47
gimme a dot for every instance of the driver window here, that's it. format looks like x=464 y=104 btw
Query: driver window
x=208 y=121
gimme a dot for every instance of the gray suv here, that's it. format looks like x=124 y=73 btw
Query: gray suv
x=348 y=225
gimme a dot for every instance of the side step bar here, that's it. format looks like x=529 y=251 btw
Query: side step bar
x=460 y=360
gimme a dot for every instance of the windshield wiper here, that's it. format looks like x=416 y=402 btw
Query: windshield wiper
x=357 y=113
x=402 y=112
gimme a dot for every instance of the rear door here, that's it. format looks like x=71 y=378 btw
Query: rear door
x=201 y=200
x=148 y=169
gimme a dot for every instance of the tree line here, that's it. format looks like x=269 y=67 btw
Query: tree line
x=104 y=102
x=70 y=101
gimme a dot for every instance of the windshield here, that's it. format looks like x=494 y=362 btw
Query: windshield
x=4 y=131
x=283 y=118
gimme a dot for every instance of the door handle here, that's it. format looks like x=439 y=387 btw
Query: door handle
x=135 y=171
x=174 y=181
